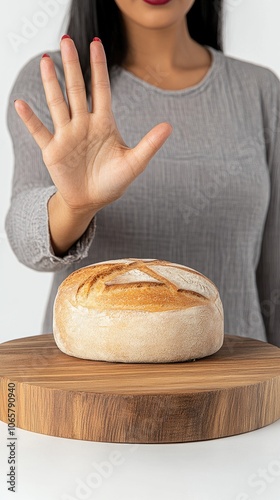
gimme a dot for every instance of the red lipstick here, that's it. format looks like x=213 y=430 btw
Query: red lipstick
x=157 y=2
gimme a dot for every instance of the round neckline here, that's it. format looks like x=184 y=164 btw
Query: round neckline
x=188 y=90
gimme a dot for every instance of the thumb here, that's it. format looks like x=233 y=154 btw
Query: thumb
x=150 y=144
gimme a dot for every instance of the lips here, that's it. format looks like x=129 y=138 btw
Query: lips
x=157 y=2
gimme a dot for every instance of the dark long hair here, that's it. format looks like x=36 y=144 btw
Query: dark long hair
x=102 y=18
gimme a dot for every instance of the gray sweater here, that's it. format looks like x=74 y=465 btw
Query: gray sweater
x=210 y=198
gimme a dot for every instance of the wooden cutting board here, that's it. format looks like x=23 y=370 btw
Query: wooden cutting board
x=233 y=391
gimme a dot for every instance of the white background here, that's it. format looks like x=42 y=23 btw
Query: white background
x=243 y=467
x=251 y=33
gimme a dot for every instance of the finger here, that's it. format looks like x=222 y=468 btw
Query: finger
x=101 y=89
x=149 y=146
x=36 y=128
x=55 y=99
x=75 y=85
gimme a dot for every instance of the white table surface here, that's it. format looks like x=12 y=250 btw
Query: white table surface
x=243 y=467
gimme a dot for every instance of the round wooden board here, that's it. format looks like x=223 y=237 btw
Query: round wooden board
x=233 y=391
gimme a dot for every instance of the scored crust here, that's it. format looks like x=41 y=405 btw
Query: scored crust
x=138 y=310
x=136 y=284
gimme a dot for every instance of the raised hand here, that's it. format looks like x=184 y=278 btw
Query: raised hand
x=87 y=159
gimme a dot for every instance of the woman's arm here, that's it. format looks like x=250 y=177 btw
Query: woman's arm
x=268 y=271
x=83 y=152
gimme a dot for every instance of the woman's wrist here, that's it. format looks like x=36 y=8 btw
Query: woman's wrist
x=66 y=225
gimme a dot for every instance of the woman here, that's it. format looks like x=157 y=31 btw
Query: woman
x=172 y=154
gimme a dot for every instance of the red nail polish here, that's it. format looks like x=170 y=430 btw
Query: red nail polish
x=45 y=55
x=96 y=39
x=65 y=36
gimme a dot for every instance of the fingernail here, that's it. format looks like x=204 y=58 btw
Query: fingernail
x=96 y=39
x=65 y=36
x=45 y=55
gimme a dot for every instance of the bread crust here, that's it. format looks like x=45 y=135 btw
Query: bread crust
x=138 y=310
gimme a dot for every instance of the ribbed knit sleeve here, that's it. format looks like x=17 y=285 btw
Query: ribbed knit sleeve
x=27 y=225
x=268 y=272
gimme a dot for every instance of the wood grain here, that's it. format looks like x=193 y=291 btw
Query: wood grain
x=233 y=391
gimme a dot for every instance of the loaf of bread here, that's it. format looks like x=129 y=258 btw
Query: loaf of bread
x=138 y=311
